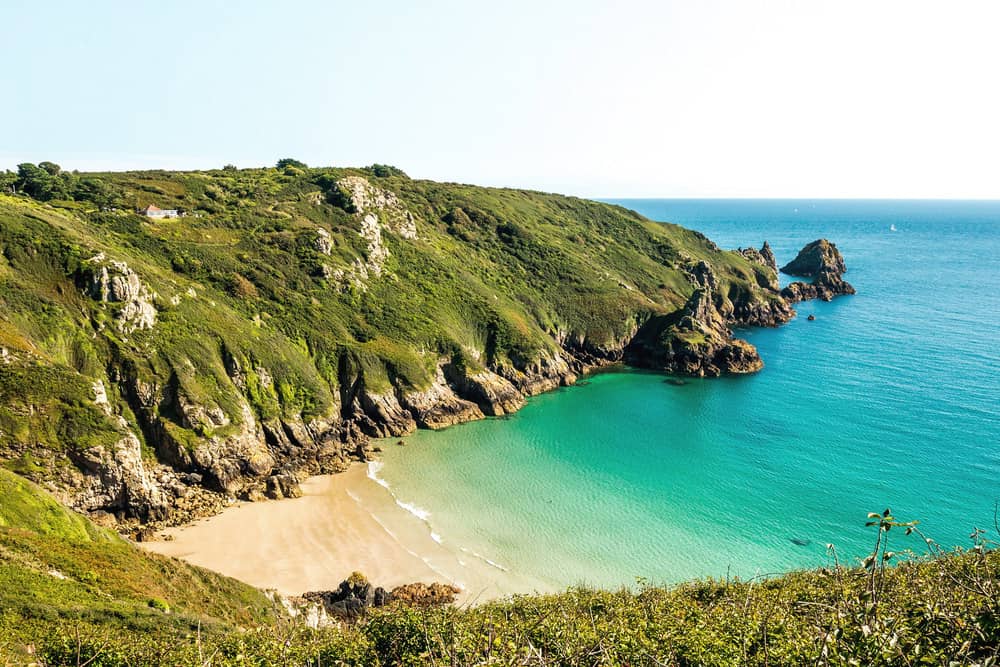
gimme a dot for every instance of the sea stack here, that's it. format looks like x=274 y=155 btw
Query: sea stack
x=821 y=261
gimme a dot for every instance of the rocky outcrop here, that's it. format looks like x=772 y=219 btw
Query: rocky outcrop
x=695 y=340
x=764 y=257
x=821 y=261
x=323 y=241
x=424 y=595
x=116 y=481
x=351 y=599
x=115 y=283
x=815 y=258
x=439 y=406
x=356 y=595
x=377 y=210
x=357 y=195
x=492 y=393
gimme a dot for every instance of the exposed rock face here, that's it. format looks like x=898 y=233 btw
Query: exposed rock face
x=360 y=196
x=114 y=282
x=821 y=261
x=440 y=406
x=765 y=258
x=117 y=481
x=697 y=339
x=323 y=242
x=493 y=394
x=377 y=210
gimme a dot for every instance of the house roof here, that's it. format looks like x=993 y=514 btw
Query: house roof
x=151 y=209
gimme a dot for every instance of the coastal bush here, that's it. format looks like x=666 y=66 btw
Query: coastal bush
x=937 y=610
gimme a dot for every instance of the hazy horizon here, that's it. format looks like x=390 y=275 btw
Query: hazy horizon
x=716 y=99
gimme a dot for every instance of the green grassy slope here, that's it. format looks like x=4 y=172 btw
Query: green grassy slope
x=57 y=569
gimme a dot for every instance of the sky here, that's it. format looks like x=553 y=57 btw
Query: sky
x=703 y=98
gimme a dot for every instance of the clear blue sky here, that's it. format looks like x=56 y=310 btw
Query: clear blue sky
x=700 y=98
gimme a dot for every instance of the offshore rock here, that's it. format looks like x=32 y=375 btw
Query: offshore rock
x=821 y=261
x=815 y=258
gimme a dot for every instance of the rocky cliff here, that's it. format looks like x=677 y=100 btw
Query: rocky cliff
x=152 y=371
x=697 y=339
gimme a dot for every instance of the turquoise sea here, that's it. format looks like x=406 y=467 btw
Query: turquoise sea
x=890 y=398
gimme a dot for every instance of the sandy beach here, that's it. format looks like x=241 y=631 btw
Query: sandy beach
x=342 y=523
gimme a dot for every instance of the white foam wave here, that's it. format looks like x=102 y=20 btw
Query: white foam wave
x=373 y=469
x=415 y=510
x=485 y=559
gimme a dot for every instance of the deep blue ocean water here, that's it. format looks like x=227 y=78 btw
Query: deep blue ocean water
x=890 y=398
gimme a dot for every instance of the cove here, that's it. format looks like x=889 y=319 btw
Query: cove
x=887 y=399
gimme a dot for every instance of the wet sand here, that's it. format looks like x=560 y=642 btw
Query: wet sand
x=342 y=523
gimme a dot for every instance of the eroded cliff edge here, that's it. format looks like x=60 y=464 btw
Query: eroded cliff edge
x=151 y=370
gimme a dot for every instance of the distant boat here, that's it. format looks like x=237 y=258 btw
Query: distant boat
x=892 y=228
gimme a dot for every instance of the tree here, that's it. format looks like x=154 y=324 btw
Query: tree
x=44 y=181
x=286 y=162
x=51 y=167
x=34 y=181
x=97 y=191
x=385 y=170
x=229 y=167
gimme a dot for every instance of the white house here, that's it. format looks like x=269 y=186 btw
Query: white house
x=154 y=212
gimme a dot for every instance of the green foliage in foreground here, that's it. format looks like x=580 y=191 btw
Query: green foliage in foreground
x=929 y=613
x=117 y=605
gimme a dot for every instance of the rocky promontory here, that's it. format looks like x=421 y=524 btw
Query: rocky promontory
x=821 y=261
x=696 y=340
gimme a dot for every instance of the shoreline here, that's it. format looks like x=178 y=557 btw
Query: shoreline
x=343 y=523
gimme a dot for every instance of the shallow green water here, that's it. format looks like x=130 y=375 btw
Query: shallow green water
x=890 y=398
